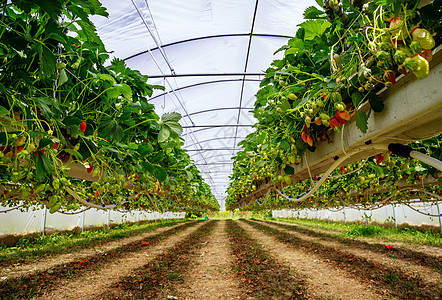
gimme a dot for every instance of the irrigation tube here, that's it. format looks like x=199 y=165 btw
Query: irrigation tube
x=399 y=149
x=10 y=209
x=338 y=160
x=86 y=203
x=407 y=151
x=427 y=159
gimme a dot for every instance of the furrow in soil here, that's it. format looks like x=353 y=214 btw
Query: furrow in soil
x=322 y=279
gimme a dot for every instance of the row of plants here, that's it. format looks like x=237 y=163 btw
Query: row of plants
x=63 y=104
x=29 y=248
x=404 y=233
x=334 y=66
x=389 y=280
x=372 y=182
x=259 y=274
x=38 y=283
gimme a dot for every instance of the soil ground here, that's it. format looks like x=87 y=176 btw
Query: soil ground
x=197 y=262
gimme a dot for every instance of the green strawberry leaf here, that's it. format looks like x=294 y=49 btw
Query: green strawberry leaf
x=169 y=126
x=362 y=121
x=159 y=173
x=314 y=28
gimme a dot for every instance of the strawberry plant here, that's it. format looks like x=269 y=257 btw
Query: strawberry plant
x=61 y=108
x=336 y=63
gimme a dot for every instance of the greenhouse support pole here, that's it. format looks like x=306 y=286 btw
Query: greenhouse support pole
x=345 y=217
x=108 y=219
x=440 y=216
x=82 y=221
x=394 y=215
x=43 y=221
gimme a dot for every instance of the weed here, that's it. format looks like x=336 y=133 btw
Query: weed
x=358 y=230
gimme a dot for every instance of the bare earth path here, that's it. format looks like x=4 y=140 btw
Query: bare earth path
x=50 y=262
x=428 y=274
x=211 y=276
x=92 y=284
x=322 y=278
x=429 y=250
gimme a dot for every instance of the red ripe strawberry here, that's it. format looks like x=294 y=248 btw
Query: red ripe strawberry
x=389 y=76
x=83 y=126
x=318 y=121
x=342 y=170
x=144 y=243
x=55 y=145
x=344 y=115
x=96 y=194
x=309 y=140
x=379 y=158
x=89 y=169
x=304 y=137
x=325 y=95
x=18 y=149
x=315 y=178
x=427 y=54
x=338 y=117
x=334 y=123
x=306 y=129
x=402 y=69
x=436 y=176
x=136 y=176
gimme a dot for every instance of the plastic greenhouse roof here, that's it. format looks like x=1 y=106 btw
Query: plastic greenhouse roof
x=210 y=55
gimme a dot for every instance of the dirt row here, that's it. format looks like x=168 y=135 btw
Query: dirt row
x=230 y=260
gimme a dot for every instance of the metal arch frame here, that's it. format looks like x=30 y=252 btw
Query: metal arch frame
x=211 y=37
x=245 y=68
x=205 y=82
x=218 y=126
x=207 y=128
x=210 y=157
x=216 y=149
x=225 y=162
x=214 y=139
x=205 y=75
x=216 y=109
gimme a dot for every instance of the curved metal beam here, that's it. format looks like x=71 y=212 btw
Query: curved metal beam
x=245 y=68
x=216 y=109
x=203 y=83
x=212 y=37
x=206 y=74
x=216 y=149
x=214 y=156
x=217 y=126
x=214 y=139
x=194 y=131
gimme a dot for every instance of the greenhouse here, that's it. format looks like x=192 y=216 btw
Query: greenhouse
x=221 y=149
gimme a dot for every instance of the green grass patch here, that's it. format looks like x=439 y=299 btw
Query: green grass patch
x=360 y=230
x=33 y=249
x=406 y=235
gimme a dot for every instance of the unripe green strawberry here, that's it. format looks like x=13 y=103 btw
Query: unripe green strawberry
x=336 y=96
x=293 y=97
x=415 y=47
x=400 y=55
x=424 y=38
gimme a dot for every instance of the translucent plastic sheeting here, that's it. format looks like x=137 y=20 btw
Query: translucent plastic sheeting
x=384 y=214
x=17 y=222
x=210 y=55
